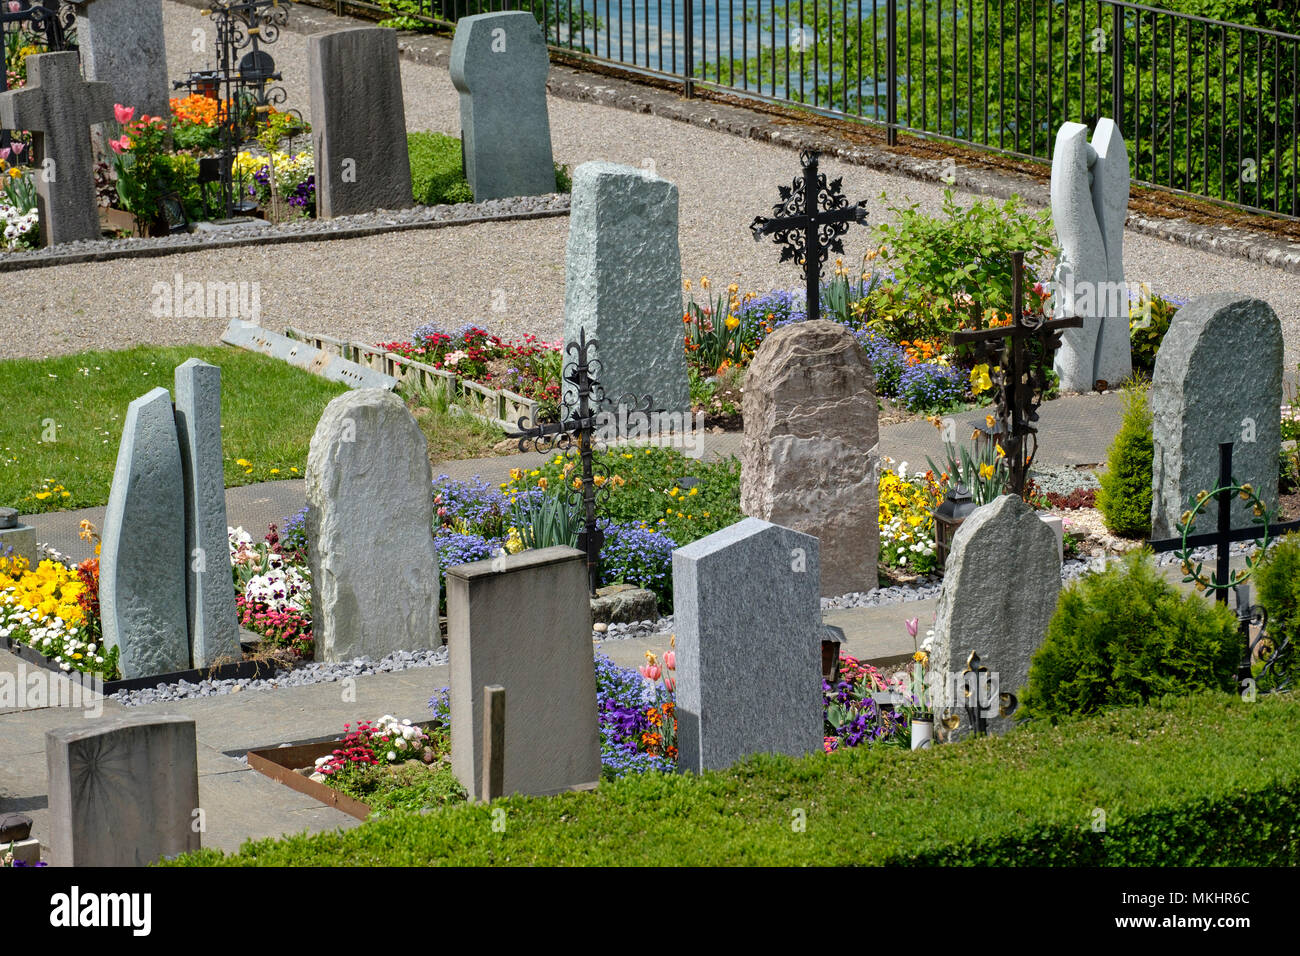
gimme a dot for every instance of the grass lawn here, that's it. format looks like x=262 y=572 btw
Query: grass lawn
x=1193 y=781
x=268 y=412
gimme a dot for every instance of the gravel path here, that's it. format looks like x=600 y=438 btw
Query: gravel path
x=381 y=287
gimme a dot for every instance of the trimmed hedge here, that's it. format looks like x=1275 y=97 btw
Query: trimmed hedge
x=1192 y=781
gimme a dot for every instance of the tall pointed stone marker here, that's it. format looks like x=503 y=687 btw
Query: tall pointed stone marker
x=210 y=597
x=499 y=64
x=142 y=561
x=59 y=107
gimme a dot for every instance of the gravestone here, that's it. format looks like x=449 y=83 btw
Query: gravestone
x=358 y=122
x=499 y=65
x=1090 y=192
x=59 y=107
x=999 y=592
x=142 y=559
x=524 y=622
x=1204 y=391
x=749 y=632
x=123 y=791
x=17 y=540
x=809 y=455
x=251 y=336
x=370 y=530
x=122 y=44
x=623 y=283
x=213 y=626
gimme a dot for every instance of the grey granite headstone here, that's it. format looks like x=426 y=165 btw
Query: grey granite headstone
x=1090 y=192
x=122 y=44
x=623 y=282
x=747 y=604
x=1217 y=378
x=17 y=540
x=499 y=64
x=358 y=122
x=809 y=456
x=213 y=626
x=524 y=622
x=249 y=335
x=123 y=791
x=999 y=593
x=370 y=530
x=142 y=559
x=59 y=107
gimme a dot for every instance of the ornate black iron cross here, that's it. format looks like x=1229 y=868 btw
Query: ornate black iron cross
x=1021 y=380
x=577 y=426
x=809 y=223
x=1222 y=579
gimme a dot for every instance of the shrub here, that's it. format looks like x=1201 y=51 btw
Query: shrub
x=437 y=175
x=1277 y=578
x=1125 y=494
x=1148 y=321
x=1126 y=636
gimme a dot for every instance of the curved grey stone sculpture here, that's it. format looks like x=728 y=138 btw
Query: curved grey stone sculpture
x=370 y=526
x=1090 y=191
x=142 y=561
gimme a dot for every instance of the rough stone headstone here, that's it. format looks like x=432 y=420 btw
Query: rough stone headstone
x=122 y=44
x=370 y=527
x=749 y=632
x=1090 y=192
x=59 y=107
x=358 y=122
x=1217 y=378
x=17 y=540
x=809 y=455
x=123 y=792
x=213 y=626
x=524 y=623
x=999 y=593
x=499 y=65
x=623 y=282
x=142 y=558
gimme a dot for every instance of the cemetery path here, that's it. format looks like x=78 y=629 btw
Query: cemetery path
x=1073 y=431
x=382 y=287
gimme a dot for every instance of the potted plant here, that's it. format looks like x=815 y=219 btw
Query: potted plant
x=974 y=479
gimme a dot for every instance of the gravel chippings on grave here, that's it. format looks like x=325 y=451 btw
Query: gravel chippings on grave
x=315 y=673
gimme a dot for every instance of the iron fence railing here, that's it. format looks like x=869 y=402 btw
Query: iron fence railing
x=1207 y=108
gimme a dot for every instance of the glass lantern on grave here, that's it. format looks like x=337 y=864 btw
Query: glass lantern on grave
x=952 y=511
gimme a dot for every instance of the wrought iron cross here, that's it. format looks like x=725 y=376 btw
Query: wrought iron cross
x=804 y=229
x=578 y=427
x=1021 y=381
x=1223 y=578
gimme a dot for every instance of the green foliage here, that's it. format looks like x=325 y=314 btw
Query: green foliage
x=409 y=786
x=1198 y=781
x=550 y=521
x=1127 y=636
x=436 y=173
x=200 y=137
x=1124 y=498
x=1148 y=321
x=956 y=265
x=563 y=181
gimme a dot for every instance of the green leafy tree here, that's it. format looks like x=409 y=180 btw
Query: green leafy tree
x=1124 y=497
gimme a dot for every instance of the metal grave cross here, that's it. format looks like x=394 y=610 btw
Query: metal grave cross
x=1221 y=538
x=1021 y=381
x=579 y=427
x=804 y=229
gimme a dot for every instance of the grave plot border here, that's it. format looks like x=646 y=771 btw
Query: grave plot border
x=496 y=406
x=279 y=763
x=236 y=670
x=359 y=226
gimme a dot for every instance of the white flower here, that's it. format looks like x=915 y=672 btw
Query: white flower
x=400 y=743
x=391 y=756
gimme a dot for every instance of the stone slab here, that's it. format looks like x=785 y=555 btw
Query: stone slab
x=123 y=792
x=19 y=541
x=499 y=65
x=247 y=335
x=524 y=622
x=122 y=44
x=747 y=609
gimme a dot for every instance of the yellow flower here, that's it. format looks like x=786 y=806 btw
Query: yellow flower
x=732 y=322
x=686 y=284
x=674 y=492
x=275 y=471
x=1000 y=452
x=598 y=480
x=541 y=483
x=986 y=471
x=704 y=282
x=979 y=379
x=516 y=474
x=242 y=462
x=988 y=421
x=694 y=491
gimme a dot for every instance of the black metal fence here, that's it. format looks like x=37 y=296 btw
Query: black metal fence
x=1207 y=108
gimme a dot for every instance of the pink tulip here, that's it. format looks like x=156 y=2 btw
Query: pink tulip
x=18 y=148
x=670 y=660
x=670 y=683
x=912 y=625
x=123 y=114
x=650 y=671
x=120 y=145
x=4 y=153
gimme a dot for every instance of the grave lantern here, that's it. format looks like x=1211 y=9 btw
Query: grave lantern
x=952 y=511
x=832 y=641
